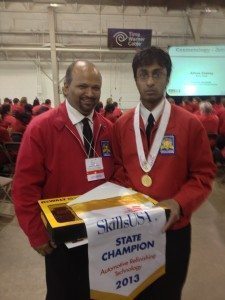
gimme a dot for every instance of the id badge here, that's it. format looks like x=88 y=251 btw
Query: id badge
x=94 y=168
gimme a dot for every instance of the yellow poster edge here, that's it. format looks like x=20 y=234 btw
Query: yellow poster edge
x=98 y=295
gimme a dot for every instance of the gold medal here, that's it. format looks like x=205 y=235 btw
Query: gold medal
x=146 y=180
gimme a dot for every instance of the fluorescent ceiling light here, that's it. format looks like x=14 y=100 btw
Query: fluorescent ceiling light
x=54 y=4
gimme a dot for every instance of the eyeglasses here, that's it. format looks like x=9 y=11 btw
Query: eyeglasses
x=144 y=76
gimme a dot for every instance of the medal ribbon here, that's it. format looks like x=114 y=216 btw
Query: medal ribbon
x=147 y=164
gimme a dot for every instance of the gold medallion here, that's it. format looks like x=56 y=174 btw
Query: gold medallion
x=146 y=180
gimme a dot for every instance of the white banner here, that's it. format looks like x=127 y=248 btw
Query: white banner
x=126 y=248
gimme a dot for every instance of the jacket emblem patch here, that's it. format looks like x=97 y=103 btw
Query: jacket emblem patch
x=168 y=145
x=106 y=150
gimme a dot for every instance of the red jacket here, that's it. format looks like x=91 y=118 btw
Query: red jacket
x=8 y=121
x=210 y=122
x=18 y=126
x=185 y=176
x=51 y=163
x=222 y=123
x=218 y=108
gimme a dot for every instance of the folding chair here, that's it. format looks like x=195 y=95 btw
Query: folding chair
x=6 y=205
x=16 y=136
x=12 y=149
x=5 y=188
x=5 y=162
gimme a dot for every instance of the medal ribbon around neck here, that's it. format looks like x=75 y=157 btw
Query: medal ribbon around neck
x=147 y=164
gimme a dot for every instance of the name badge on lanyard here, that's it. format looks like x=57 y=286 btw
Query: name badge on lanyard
x=94 y=168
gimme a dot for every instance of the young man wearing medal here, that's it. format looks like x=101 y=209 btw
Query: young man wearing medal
x=63 y=154
x=167 y=158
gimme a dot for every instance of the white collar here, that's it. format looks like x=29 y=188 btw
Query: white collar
x=75 y=116
x=156 y=112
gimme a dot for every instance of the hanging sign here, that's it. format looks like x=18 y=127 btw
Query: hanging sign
x=129 y=38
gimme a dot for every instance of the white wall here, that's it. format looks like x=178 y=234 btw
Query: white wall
x=19 y=79
x=81 y=26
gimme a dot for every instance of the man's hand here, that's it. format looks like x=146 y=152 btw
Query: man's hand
x=46 y=249
x=175 y=212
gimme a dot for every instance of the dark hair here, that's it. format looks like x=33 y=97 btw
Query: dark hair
x=109 y=108
x=23 y=117
x=149 y=56
x=98 y=106
x=28 y=108
x=48 y=101
x=36 y=102
x=6 y=100
x=68 y=77
x=16 y=100
x=41 y=110
x=5 y=109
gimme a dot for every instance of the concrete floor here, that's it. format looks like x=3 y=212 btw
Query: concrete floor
x=22 y=269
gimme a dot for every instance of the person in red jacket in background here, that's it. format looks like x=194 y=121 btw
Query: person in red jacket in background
x=16 y=106
x=4 y=138
x=52 y=162
x=36 y=106
x=109 y=112
x=99 y=108
x=8 y=121
x=117 y=111
x=222 y=123
x=217 y=105
x=208 y=118
x=163 y=151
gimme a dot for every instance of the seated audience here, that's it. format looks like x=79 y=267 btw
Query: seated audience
x=47 y=103
x=19 y=125
x=23 y=102
x=41 y=110
x=36 y=105
x=99 y=108
x=4 y=138
x=7 y=101
x=117 y=111
x=218 y=106
x=16 y=106
x=208 y=118
x=8 y=120
x=222 y=123
x=109 y=109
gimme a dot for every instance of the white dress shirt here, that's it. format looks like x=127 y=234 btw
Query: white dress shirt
x=156 y=112
x=76 y=118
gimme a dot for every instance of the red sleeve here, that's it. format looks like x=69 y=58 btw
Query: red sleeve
x=27 y=186
x=119 y=176
x=201 y=170
x=4 y=135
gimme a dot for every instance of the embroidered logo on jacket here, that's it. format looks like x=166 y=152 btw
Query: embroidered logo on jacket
x=167 y=145
x=106 y=150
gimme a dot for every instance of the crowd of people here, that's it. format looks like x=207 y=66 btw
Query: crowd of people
x=111 y=111
x=211 y=113
x=15 y=115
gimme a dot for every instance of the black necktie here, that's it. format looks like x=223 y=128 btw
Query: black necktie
x=149 y=127
x=88 y=137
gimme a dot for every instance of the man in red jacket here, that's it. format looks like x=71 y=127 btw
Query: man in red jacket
x=53 y=162
x=162 y=150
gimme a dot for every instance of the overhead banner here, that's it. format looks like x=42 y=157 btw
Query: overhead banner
x=126 y=246
x=129 y=38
